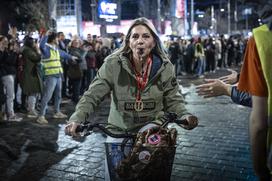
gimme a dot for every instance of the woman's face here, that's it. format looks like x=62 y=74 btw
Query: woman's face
x=141 y=41
x=4 y=43
x=76 y=43
x=16 y=47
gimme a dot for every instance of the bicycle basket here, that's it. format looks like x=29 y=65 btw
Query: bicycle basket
x=143 y=162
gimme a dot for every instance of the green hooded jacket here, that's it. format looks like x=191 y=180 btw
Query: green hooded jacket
x=116 y=76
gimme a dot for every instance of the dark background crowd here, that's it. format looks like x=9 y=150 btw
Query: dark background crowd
x=207 y=53
x=17 y=66
x=196 y=56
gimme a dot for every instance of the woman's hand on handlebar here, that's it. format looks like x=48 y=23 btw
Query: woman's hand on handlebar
x=70 y=129
x=192 y=122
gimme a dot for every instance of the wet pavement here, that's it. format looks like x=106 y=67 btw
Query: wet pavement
x=218 y=149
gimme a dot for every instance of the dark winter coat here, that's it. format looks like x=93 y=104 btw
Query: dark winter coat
x=32 y=82
x=3 y=55
x=175 y=52
x=74 y=70
x=8 y=63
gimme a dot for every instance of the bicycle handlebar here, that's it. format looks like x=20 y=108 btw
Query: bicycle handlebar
x=170 y=118
x=89 y=127
x=181 y=121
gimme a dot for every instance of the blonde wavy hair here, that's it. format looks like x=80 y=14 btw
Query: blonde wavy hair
x=158 y=49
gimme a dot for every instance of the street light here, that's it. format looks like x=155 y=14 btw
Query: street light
x=192 y=16
x=159 y=15
x=93 y=6
x=229 y=17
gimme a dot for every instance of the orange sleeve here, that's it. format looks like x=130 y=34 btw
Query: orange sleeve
x=251 y=77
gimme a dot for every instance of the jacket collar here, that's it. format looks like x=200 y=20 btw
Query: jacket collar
x=158 y=65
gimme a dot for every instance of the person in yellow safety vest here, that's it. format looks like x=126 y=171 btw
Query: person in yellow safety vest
x=52 y=74
x=256 y=78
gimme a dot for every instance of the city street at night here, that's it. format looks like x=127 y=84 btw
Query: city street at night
x=218 y=149
x=182 y=88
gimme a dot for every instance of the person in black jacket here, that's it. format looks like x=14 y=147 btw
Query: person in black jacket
x=3 y=54
x=62 y=43
x=175 y=52
x=8 y=71
x=189 y=57
x=74 y=71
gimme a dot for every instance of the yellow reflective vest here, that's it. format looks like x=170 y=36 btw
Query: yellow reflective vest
x=263 y=37
x=52 y=65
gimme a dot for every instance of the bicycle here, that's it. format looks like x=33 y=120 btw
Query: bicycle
x=147 y=155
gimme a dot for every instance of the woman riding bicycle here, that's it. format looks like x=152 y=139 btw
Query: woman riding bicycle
x=142 y=84
x=141 y=81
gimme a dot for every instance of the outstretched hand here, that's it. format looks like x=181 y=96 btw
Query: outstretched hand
x=213 y=88
x=231 y=78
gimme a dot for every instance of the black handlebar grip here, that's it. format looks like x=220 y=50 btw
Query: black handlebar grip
x=79 y=128
x=181 y=121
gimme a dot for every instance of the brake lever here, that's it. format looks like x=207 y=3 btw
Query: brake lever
x=85 y=133
x=84 y=129
x=172 y=118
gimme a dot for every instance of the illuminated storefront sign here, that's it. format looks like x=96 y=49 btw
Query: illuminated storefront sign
x=180 y=9
x=108 y=12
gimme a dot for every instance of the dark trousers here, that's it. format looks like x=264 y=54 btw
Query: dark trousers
x=76 y=85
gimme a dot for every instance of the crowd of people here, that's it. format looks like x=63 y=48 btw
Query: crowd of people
x=205 y=54
x=33 y=70
x=24 y=84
